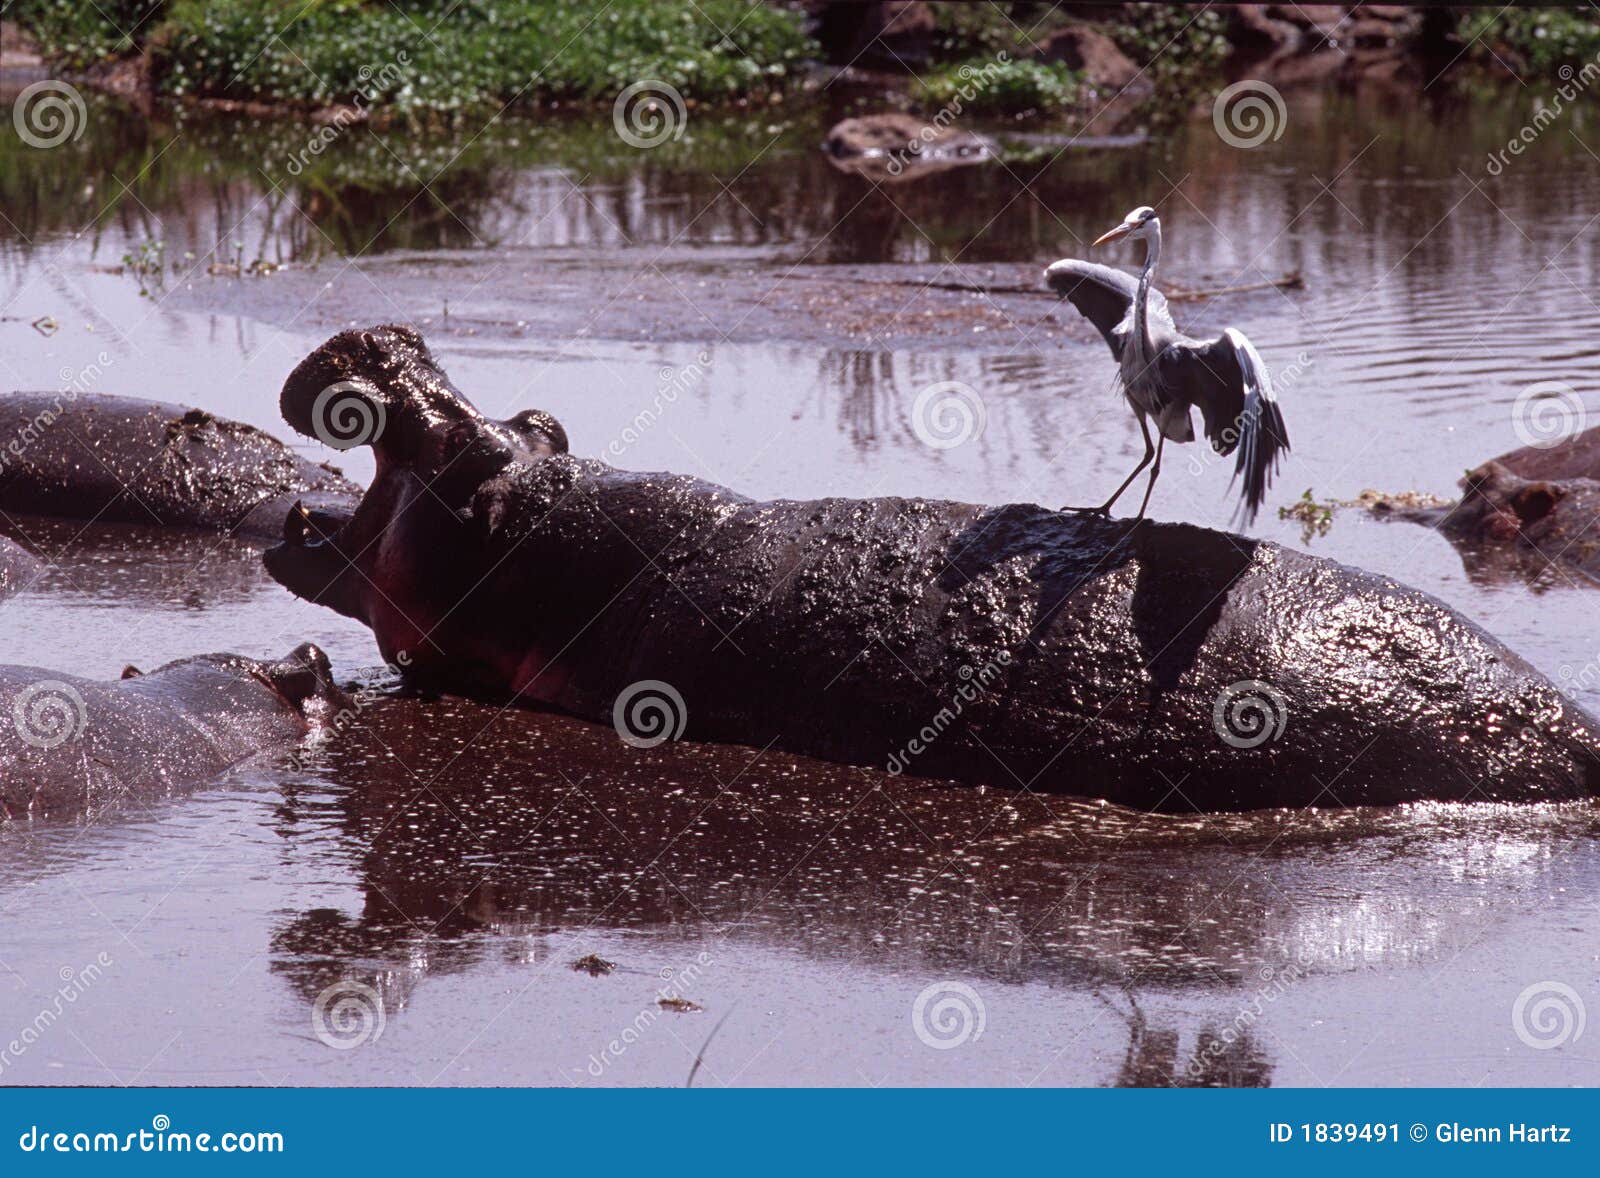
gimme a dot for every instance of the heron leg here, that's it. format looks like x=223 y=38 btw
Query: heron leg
x=1155 y=473
x=1149 y=454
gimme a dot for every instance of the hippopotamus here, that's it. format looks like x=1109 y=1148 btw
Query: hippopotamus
x=1540 y=504
x=126 y=460
x=70 y=745
x=1158 y=666
x=895 y=146
x=18 y=567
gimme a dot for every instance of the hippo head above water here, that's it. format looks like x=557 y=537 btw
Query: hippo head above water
x=381 y=387
x=302 y=682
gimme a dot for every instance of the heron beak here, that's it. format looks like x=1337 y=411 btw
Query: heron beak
x=1116 y=234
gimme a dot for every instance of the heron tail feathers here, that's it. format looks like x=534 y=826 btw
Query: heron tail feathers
x=1263 y=438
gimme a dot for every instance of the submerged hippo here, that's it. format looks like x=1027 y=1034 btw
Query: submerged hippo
x=125 y=460
x=1539 y=504
x=1165 y=667
x=18 y=567
x=70 y=745
x=895 y=146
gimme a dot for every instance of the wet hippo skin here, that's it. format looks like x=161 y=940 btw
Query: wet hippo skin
x=1531 y=511
x=69 y=746
x=1159 y=666
x=126 y=460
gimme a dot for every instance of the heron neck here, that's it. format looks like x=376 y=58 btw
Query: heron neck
x=1152 y=254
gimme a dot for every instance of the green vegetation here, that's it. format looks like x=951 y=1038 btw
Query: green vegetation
x=1540 y=39
x=1181 y=48
x=434 y=55
x=1176 y=42
x=79 y=34
x=988 y=86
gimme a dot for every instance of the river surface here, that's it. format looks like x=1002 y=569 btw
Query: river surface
x=406 y=904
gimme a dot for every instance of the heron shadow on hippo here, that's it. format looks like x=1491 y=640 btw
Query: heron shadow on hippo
x=1160 y=666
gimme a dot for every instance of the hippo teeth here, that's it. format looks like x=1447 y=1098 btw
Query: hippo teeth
x=296 y=525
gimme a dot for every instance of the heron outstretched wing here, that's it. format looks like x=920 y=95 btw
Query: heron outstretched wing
x=1104 y=297
x=1229 y=382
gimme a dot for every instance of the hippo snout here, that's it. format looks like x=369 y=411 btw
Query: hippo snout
x=305 y=679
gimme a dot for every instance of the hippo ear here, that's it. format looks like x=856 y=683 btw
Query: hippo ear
x=131 y=672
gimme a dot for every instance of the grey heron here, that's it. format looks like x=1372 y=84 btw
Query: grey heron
x=1164 y=373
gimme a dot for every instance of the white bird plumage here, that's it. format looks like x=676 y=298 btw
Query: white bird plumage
x=1164 y=373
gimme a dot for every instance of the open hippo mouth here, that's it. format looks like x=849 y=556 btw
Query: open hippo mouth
x=381 y=387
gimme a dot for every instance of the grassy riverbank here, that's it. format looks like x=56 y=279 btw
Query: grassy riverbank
x=429 y=55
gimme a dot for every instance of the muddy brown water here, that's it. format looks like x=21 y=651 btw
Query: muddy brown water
x=733 y=307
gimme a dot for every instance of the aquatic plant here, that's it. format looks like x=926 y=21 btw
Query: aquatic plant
x=988 y=86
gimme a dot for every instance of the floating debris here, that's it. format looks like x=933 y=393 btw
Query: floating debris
x=46 y=325
x=1314 y=518
x=679 y=1005
x=594 y=965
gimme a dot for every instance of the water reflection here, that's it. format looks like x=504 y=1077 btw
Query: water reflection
x=543 y=825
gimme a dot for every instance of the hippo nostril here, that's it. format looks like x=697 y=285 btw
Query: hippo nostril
x=1535 y=501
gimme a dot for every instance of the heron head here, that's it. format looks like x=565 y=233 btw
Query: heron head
x=1139 y=223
